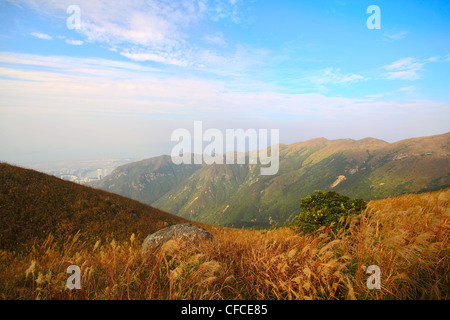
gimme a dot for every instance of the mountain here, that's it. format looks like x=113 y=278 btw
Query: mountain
x=147 y=180
x=238 y=195
x=34 y=205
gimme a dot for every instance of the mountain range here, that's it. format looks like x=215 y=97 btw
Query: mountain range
x=237 y=195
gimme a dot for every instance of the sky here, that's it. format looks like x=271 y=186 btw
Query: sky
x=116 y=80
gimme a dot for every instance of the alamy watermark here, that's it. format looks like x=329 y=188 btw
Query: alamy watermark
x=374 y=281
x=218 y=150
x=74 y=281
x=374 y=21
x=74 y=20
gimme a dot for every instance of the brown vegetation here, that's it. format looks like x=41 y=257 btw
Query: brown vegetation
x=407 y=237
x=34 y=205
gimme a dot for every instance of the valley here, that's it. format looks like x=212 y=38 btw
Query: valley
x=238 y=195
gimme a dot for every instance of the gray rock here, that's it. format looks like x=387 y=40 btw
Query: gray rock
x=180 y=231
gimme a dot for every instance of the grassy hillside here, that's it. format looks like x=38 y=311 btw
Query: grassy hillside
x=238 y=195
x=407 y=237
x=34 y=205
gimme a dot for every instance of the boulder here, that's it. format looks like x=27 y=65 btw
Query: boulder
x=184 y=231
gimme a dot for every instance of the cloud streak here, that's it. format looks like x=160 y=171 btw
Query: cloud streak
x=395 y=36
x=74 y=42
x=404 y=69
x=79 y=85
x=40 y=35
x=334 y=76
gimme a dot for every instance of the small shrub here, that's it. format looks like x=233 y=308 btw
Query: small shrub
x=327 y=209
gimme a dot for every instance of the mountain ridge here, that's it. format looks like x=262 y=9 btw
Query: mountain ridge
x=237 y=195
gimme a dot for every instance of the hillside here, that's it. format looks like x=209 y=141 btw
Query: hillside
x=147 y=180
x=407 y=237
x=34 y=205
x=238 y=195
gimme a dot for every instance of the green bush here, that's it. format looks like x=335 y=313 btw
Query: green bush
x=327 y=209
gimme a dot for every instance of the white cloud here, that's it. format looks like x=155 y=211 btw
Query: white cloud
x=41 y=36
x=237 y=62
x=404 y=69
x=64 y=64
x=390 y=36
x=74 y=42
x=163 y=57
x=143 y=29
x=334 y=76
x=54 y=85
x=408 y=90
x=216 y=39
x=379 y=95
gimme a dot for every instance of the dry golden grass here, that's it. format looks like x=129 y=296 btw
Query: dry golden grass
x=407 y=237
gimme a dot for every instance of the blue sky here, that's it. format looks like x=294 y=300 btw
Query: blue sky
x=133 y=72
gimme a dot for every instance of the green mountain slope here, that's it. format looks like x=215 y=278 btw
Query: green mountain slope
x=147 y=180
x=238 y=195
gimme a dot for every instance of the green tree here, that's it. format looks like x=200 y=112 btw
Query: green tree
x=327 y=209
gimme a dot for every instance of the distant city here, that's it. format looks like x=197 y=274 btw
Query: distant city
x=82 y=176
x=82 y=172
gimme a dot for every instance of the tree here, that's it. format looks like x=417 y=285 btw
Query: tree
x=327 y=209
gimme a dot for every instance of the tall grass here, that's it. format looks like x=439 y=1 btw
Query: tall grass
x=407 y=237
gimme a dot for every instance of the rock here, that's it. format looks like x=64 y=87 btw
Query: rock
x=185 y=231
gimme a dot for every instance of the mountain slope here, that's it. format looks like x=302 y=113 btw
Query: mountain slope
x=147 y=180
x=238 y=195
x=33 y=205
